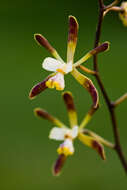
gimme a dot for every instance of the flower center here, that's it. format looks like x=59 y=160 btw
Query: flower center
x=60 y=71
x=71 y=133
x=67 y=136
x=65 y=68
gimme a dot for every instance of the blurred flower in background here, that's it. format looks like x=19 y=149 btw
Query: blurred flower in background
x=123 y=14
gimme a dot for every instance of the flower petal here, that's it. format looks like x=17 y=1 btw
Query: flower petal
x=74 y=131
x=57 y=81
x=66 y=147
x=85 y=69
x=93 y=143
x=88 y=116
x=87 y=83
x=59 y=164
x=38 y=88
x=45 y=115
x=103 y=47
x=98 y=138
x=72 y=38
x=41 y=40
x=51 y=64
x=68 y=67
x=57 y=133
x=68 y=99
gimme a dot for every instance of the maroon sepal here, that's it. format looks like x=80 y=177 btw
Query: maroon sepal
x=59 y=164
x=38 y=88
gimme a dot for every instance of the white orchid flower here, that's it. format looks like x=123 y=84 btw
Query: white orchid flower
x=60 y=68
x=68 y=135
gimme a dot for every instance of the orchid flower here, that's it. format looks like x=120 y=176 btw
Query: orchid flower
x=59 y=68
x=62 y=133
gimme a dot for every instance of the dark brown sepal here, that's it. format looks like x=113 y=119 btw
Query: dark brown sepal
x=93 y=92
x=41 y=40
x=101 y=48
x=73 y=29
x=38 y=88
x=59 y=164
x=99 y=148
x=68 y=99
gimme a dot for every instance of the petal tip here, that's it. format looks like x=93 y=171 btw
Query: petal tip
x=66 y=93
x=38 y=88
x=41 y=113
x=31 y=95
x=38 y=38
x=68 y=99
x=99 y=148
x=101 y=48
x=42 y=41
x=73 y=20
x=106 y=45
x=59 y=165
x=55 y=173
x=37 y=111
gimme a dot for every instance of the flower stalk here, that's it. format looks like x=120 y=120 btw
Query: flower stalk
x=120 y=100
x=109 y=103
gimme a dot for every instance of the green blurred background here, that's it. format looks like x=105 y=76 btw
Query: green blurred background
x=26 y=153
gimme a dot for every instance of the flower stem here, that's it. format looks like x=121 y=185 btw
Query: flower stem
x=109 y=103
x=85 y=69
x=120 y=100
x=115 y=9
x=112 y=4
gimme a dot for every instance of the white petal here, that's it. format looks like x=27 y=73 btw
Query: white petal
x=60 y=80
x=69 y=67
x=57 y=133
x=68 y=144
x=57 y=81
x=74 y=132
x=51 y=64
